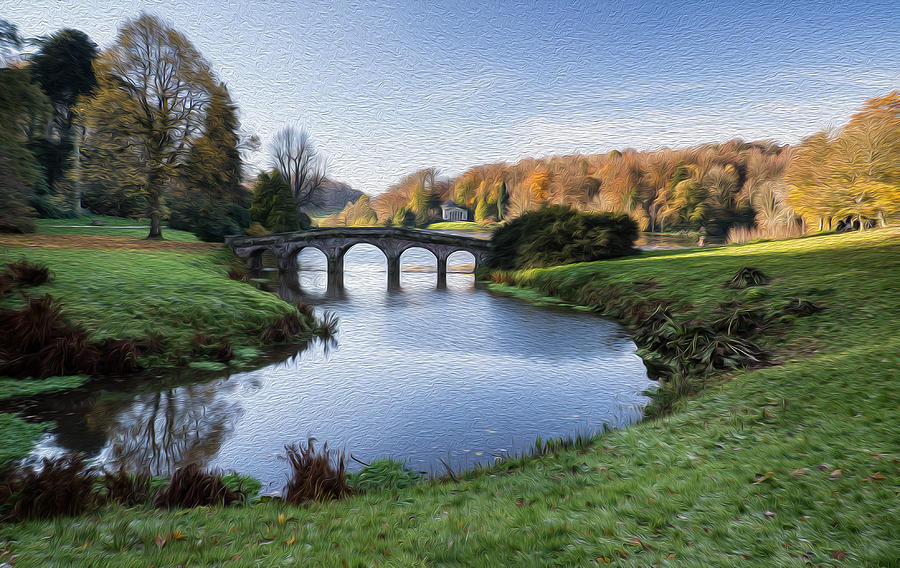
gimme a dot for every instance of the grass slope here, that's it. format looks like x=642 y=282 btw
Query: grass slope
x=792 y=465
x=126 y=287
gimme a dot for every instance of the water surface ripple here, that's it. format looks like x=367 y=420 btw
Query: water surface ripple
x=420 y=373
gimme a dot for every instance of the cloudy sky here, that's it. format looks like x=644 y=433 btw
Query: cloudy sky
x=387 y=88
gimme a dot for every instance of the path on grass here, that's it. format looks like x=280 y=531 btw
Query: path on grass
x=101 y=242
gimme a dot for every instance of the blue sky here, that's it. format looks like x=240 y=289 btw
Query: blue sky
x=387 y=88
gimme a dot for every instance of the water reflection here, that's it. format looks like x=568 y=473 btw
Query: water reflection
x=419 y=373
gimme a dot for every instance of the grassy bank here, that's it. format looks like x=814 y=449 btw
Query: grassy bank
x=790 y=465
x=122 y=287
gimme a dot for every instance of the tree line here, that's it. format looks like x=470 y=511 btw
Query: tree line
x=141 y=129
x=712 y=188
x=146 y=129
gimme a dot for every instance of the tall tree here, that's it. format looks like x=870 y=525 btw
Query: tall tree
x=273 y=205
x=63 y=67
x=153 y=88
x=24 y=111
x=212 y=200
x=300 y=165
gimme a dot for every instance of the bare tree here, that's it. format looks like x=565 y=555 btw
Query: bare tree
x=300 y=165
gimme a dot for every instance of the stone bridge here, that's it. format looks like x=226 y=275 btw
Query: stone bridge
x=335 y=243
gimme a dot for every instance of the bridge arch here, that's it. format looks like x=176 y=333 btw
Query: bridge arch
x=335 y=243
x=457 y=253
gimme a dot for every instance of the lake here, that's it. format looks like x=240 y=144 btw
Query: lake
x=422 y=373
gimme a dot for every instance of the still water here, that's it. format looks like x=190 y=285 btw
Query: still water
x=421 y=374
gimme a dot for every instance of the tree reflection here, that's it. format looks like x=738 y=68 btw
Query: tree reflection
x=161 y=431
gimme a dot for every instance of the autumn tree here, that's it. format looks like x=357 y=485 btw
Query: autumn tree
x=358 y=214
x=153 y=89
x=868 y=160
x=213 y=201
x=854 y=172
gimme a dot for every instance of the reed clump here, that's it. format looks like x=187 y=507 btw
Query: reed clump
x=25 y=273
x=62 y=486
x=313 y=475
x=191 y=486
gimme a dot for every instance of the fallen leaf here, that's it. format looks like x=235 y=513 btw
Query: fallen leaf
x=799 y=472
x=604 y=559
x=177 y=534
x=671 y=556
x=838 y=554
x=281 y=518
x=290 y=541
x=836 y=474
x=160 y=542
x=760 y=478
x=769 y=514
x=635 y=541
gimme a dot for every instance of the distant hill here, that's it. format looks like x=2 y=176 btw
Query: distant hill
x=333 y=196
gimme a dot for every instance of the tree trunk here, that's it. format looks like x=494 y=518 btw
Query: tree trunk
x=76 y=177
x=155 y=231
x=153 y=202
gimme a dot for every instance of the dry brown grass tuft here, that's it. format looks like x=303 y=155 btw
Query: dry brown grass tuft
x=313 y=476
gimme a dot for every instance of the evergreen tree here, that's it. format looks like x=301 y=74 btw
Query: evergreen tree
x=273 y=204
x=502 y=201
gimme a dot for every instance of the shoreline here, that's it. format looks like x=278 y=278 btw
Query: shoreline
x=768 y=446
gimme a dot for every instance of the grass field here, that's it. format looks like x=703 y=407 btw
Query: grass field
x=111 y=227
x=461 y=226
x=795 y=464
x=120 y=286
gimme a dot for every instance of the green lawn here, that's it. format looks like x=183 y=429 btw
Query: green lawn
x=81 y=226
x=461 y=226
x=135 y=293
x=791 y=465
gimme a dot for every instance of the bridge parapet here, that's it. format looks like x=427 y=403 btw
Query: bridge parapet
x=335 y=242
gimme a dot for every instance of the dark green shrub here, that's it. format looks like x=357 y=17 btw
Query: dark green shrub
x=739 y=320
x=50 y=207
x=671 y=347
x=561 y=235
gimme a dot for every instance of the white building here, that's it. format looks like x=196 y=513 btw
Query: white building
x=452 y=212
